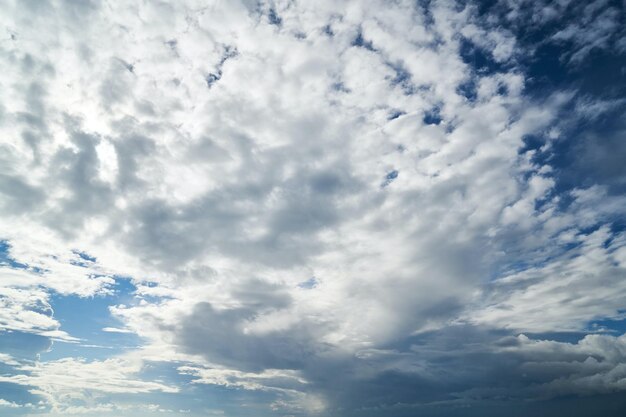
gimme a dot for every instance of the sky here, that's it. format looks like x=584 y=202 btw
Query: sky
x=376 y=208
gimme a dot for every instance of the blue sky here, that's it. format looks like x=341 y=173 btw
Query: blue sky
x=324 y=209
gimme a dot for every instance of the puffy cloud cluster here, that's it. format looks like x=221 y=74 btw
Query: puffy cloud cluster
x=593 y=365
x=314 y=200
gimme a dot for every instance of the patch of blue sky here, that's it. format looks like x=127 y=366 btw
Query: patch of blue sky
x=22 y=345
x=600 y=74
x=432 y=117
x=360 y=42
x=5 y=257
x=479 y=59
x=601 y=142
x=515 y=262
x=85 y=256
x=468 y=89
x=548 y=65
x=198 y=398
x=389 y=178
x=274 y=18
x=17 y=394
x=81 y=317
x=402 y=78
x=429 y=19
x=86 y=317
x=613 y=326
x=340 y=87
x=85 y=259
x=588 y=151
x=394 y=114
x=231 y=400
x=309 y=283
x=617 y=227
x=503 y=269
x=563 y=337
x=532 y=143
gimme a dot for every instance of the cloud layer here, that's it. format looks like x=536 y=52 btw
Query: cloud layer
x=327 y=208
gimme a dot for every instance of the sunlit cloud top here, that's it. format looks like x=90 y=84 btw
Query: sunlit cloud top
x=327 y=208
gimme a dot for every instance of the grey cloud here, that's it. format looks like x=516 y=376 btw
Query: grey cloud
x=220 y=337
x=78 y=171
x=302 y=204
x=228 y=199
x=116 y=88
x=19 y=195
x=131 y=150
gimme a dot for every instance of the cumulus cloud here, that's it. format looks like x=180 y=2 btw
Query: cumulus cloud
x=315 y=201
x=593 y=365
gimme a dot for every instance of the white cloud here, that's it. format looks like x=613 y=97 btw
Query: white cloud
x=565 y=293
x=10 y=404
x=115 y=330
x=29 y=311
x=220 y=161
x=593 y=365
x=66 y=381
x=269 y=379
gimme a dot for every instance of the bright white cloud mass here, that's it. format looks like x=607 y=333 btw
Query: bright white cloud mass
x=312 y=208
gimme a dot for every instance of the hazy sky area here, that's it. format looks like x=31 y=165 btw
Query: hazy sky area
x=293 y=208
